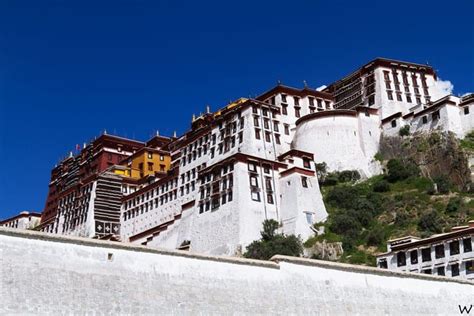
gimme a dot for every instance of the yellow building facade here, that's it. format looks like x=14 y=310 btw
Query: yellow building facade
x=143 y=163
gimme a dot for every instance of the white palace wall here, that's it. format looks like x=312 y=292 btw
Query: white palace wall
x=445 y=116
x=343 y=140
x=301 y=207
x=47 y=274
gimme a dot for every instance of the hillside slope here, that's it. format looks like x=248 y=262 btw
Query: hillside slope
x=426 y=189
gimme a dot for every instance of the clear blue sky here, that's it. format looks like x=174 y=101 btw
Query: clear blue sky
x=70 y=69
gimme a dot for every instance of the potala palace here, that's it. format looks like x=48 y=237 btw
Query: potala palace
x=210 y=189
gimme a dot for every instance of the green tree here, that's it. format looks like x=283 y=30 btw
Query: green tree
x=273 y=243
x=269 y=229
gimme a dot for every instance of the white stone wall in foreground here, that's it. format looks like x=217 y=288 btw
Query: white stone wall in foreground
x=44 y=274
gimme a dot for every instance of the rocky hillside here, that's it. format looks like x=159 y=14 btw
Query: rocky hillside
x=436 y=154
x=426 y=189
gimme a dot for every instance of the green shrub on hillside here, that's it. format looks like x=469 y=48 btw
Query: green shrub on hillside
x=331 y=179
x=336 y=177
x=360 y=257
x=468 y=141
x=378 y=156
x=402 y=219
x=348 y=176
x=453 y=205
x=364 y=215
x=345 y=223
x=321 y=171
x=377 y=201
x=442 y=184
x=376 y=236
x=342 y=196
x=430 y=222
x=381 y=186
x=399 y=170
x=404 y=131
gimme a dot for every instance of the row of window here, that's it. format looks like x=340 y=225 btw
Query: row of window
x=191 y=174
x=438 y=249
x=296 y=102
x=148 y=206
x=268 y=136
x=72 y=211
x=469 y=267
x=150 y=156
x=414 y=78
x=78 y=202
x=194 y=145
x=12 y=224
x=168 y=186
x=264 y=111
x=227 y=140
x=454 y=268
x=434 y=116
x=205 y=139
x=252 y=166
x=297 y=109
x=73 y=222
x=407 y=96
x=255 y=191
x=226 y=145
x=150 y=167
x=388 y=86
x=217 y=186
x=254 y=186
x=266 y=123
x=217 y=173
x=73 y=208
x=215 y=202
x=255 y=196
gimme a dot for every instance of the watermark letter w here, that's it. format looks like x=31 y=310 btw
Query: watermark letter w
x=463 y=309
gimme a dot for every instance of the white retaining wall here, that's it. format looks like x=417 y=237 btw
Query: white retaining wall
x=45 y=274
